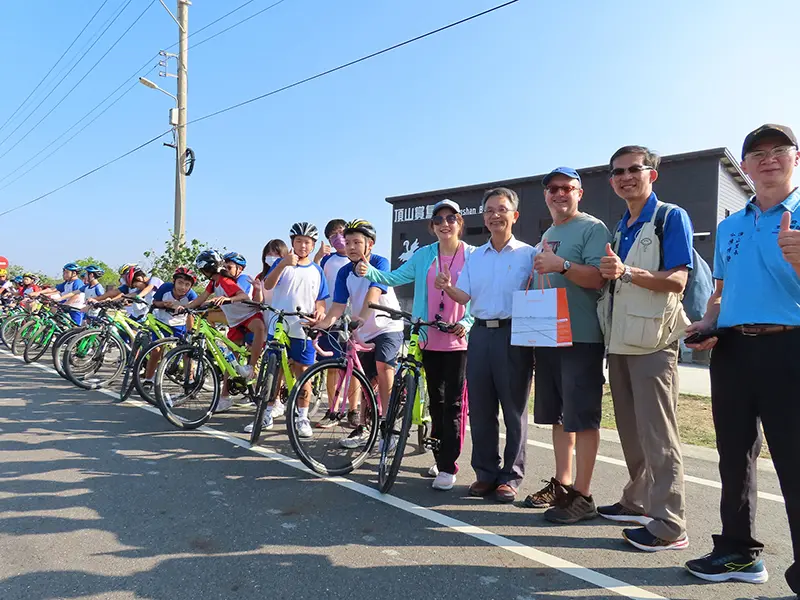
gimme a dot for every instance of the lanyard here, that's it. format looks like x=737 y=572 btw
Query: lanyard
x=439 y=267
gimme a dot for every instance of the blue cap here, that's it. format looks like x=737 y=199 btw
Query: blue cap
x=569 y=172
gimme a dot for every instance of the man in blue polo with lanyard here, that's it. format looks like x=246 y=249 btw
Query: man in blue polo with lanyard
x=754 y=316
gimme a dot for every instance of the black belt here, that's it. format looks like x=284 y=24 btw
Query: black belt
x=492 y=323
x=762 y=329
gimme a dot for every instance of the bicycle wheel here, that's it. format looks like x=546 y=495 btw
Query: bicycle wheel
x=335 y=448
x=396 y=428
x=39 y=343
x=9 y=329
x=266 y=387
x=147 y=392
x=94 y=359
x=59 y=347
x=22 y=335
x=141 y=340
x=423 y=429
x=187 y=396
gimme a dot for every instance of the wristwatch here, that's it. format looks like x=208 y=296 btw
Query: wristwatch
x=626 y=276
x=567 y=265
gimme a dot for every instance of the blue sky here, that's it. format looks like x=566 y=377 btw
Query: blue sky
x=515 y=93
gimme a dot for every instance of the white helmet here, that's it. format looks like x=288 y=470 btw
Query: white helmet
x=305 y=229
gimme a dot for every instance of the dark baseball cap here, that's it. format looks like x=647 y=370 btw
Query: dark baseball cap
x=766 y=131
x=569 y=172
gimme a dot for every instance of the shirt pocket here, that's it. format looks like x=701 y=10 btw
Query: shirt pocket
x=643 y=327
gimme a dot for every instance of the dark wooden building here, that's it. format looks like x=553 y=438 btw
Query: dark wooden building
x=709 y=184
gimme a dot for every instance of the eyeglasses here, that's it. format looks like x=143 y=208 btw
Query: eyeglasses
x=567 y=189
x=502 y=211
x=778 y=152
x=633 y=170
x=439 y=219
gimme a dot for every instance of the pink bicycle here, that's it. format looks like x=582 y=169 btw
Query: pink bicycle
x=344 y=437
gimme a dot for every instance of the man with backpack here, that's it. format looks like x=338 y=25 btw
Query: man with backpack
x=643 y=318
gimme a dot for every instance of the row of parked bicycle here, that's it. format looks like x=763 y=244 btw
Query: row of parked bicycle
x=184 y=377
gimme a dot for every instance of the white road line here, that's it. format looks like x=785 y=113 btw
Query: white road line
x=610 y=584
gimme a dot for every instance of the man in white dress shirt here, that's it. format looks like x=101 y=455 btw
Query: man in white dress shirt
x=498 y=374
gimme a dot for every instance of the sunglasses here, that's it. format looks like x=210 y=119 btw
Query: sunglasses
x=439 y=219
x=554 y=189
x=633 y=170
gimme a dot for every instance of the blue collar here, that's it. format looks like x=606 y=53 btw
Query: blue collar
x=791 y=203
x=644 y=216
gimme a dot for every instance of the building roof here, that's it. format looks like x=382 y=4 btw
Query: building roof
x=723 y=154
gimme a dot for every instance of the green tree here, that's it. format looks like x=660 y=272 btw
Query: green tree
x=109 y=278
x=43 y=280
x=164 y=263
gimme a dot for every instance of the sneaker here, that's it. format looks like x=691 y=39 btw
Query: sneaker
x=353 y=419
x=278 y=409
x=444 y=481
x=642 y=539
x=329 y=419
x=545 y=497
x=433 y=471
x=224 y=404
x=732 y=566
x=358 y=438
x=304 y=428
x=239 y=400
x=617 y=512
x=268 y=424
x=571 y=506
x=245 y=371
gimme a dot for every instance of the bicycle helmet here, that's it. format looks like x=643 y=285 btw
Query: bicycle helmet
x=18 y=279
x=3 y=272
x=185 y=273
x=235 y=258
x=29 y=276
x=361 y=226
x=129 y=275
x=124 y=268
x=94 y=269
x=303 y=228
x=209 y=261
x=72 y=267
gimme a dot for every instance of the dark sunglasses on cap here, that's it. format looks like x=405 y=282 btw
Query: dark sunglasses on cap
x=439 y=219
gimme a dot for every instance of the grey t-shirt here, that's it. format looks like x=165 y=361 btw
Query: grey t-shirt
x=581 y=240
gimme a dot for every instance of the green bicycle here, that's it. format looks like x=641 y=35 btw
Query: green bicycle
x=400 y=412
x=36 y=334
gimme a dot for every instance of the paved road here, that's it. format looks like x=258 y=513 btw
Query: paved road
x=105 y=500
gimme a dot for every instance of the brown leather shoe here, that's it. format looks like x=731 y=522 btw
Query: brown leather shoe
x=481 y=489
x=505 y=493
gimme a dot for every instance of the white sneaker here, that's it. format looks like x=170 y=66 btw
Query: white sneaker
x=278 y=409
x=433 y=471
x=268 y=424
x=245 y=371
x=444 y=481
x=239 y=400
x=224 y=404
x=304 y=428
x=358 y=438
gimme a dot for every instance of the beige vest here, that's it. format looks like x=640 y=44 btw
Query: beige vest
x=643 y=321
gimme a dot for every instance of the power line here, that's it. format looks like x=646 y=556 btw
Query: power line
x=60 y=58
x=134 y=75
x=107 y=27
x=85 y=175
x=72 y=89
x=272 y=93
x=351 y=63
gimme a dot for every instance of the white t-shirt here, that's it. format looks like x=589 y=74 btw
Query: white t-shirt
x=301 y=286
x=140 y=309
x=331 y=264
x=165 y=294
x=350 y=287
x=235 y=312
x=68 y=287
x=93 y=292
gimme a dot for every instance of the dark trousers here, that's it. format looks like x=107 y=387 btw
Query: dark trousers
x=754 y=382
x=498 y=376
x=446 y=375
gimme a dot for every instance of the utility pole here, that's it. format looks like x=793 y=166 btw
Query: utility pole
x=180 y=151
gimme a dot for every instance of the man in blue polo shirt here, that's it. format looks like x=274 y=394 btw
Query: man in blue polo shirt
x=755 y=314
x=642 y=319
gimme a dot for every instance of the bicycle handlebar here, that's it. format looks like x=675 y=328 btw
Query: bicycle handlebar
x=264 y=306
x=397 y=315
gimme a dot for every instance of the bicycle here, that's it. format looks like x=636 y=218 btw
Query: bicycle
x=141 y=340
x=324 y=452
x=397 y=423
x=38 y=333
x=61 y=342
x=195 y=367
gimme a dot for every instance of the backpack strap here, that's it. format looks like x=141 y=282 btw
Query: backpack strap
x=662 y=210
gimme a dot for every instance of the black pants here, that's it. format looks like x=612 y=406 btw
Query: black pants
x=446 y=374
x=498 y=375
x=754 y=382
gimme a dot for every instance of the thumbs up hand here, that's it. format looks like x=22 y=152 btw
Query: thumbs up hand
x=361 y=268
x=546 y=260
x=443 y=279
x=290 y=260
x=611 y=267
x=789 y=241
